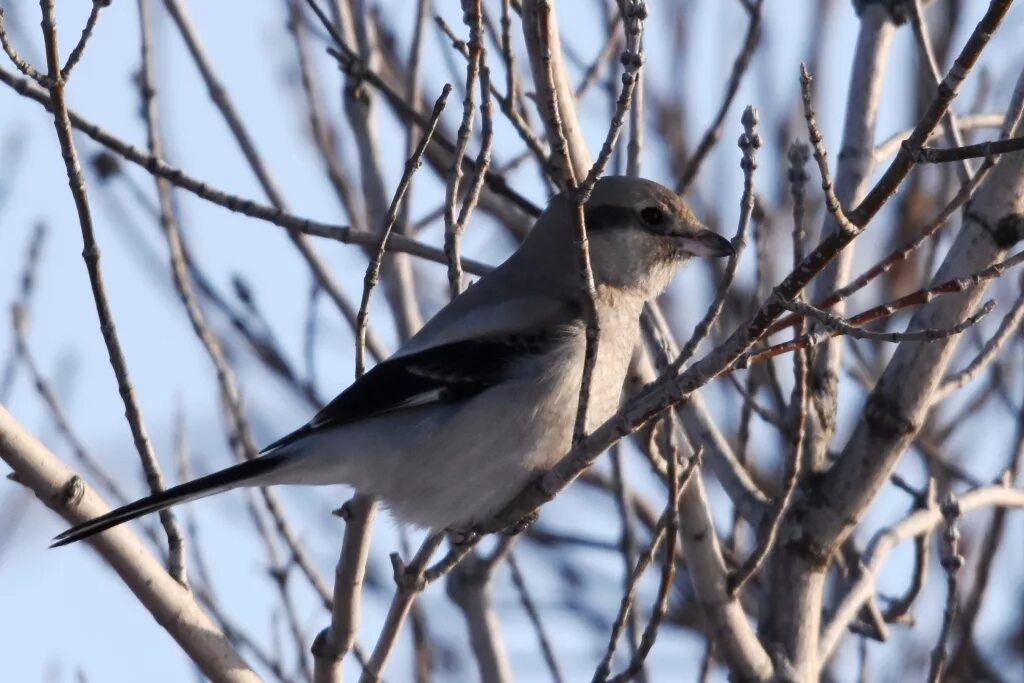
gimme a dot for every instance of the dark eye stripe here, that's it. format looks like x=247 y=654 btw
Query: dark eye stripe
x=608 y=216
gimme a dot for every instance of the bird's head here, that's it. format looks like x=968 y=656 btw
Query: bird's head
x=640 y=232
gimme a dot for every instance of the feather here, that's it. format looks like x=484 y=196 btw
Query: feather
x=228 y=478
x=448 y=373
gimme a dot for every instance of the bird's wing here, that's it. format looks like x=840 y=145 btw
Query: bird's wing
x=442 y=373
x=473 y=316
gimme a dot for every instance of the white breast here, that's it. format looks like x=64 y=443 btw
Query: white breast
x=454 y=466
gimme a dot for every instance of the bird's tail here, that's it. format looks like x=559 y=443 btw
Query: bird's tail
x=246 y=473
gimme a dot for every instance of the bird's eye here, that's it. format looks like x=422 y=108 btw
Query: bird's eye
x=652 y=215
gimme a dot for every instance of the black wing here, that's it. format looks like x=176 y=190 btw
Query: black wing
x=442 y=374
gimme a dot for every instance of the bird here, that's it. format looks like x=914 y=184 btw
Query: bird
x=483 y=398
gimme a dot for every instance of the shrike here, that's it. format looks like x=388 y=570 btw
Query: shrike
x=483 y=398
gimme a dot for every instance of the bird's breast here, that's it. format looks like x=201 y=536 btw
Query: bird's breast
x=557 y=386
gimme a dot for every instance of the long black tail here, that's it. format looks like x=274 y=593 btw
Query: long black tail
x=227 y=478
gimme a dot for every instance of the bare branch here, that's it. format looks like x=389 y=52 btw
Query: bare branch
x=278 y=217
x=834 y=325
x=91 y=255
x=409 y=581
x=470 y=586
x=22 y=65
x=945 y=93
x=891 y=145
x=22 y=305
x=735 y=641
x=952 y=562
x=373 y=269
x=219 y=96
x=749 y=143
x=334 y=642
x=934 y=155
x=79 y=49
x=453 y=223
x=924 y=42
x=884 y=542
x=168 y=601
x=1010 y=323
x=538 y=626
x=739 y=68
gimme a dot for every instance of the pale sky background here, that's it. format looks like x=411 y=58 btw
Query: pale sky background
x=64 y=611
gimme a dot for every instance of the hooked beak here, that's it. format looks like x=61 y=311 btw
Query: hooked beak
x=706 y=244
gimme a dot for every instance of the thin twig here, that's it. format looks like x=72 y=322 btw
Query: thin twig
x=891 y=145
x=270 y=214
x=1010 y=323
x=310 y=338
x=168 y=221
x=739 y=68
x=19 y=62
x=409 y=581
x=749 y=143
x=751 y=404
x=219 y=97
x=924 y=42
x=899 y=608
x=373 y=269
x=22 y=304
x=635 y=148
x=821 y=156
x=546 y=648
x=798 y=405
x=79 y=49
x=952 y=562
x=627 y=539
x=834 y=325
x=798 y=155
x=91 y=255
x=472 y=13
x=411 y=317
x=632 y=60
x=937 y=155
x=643 y=561
x=321 y=131
x=483 y=159
x=919 y=522
x=903 y=252
x=920 y=297
x=678 y=481
x=350 y=62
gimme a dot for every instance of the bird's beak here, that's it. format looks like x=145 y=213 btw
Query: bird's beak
x=706 y=244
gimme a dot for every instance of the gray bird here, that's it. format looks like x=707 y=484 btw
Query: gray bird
x=483 y=398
